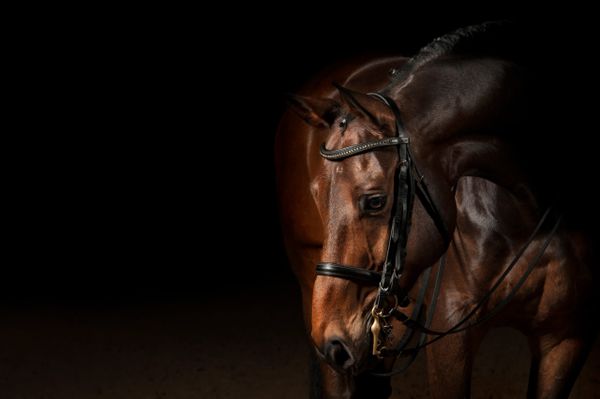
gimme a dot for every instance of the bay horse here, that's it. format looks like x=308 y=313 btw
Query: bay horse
x=465 y=113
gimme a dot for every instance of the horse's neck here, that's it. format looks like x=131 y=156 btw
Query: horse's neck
x=468 y=117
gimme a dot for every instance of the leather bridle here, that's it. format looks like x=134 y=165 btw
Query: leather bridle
x=389 y=294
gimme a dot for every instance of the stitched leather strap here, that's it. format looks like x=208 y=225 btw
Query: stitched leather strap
x=349 y=273
x=346 y=152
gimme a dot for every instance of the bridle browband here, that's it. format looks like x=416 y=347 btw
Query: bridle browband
x=350 y=151
x=406 y=186
x=389 y=295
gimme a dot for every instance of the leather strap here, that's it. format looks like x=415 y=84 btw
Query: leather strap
x=349 y=273
x=429 y=318
x=416 y=314
x=429 y=205
x=350 y=151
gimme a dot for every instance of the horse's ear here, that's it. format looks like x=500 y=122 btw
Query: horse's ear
x=318 y=112
x=363 y=104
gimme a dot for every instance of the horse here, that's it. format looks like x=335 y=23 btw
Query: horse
x=466 y=115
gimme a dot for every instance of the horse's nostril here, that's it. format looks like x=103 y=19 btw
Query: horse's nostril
x=338 y=355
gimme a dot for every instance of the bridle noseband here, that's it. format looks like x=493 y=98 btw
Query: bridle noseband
x=389 y=294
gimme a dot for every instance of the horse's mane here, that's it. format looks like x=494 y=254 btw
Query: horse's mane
x=494 y=38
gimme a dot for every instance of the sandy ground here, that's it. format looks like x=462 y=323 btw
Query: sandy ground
x=251 y=346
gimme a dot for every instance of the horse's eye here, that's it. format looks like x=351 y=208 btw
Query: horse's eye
x=372 y=203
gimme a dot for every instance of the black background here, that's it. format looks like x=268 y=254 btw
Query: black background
x=162 y=184
x=142 y=247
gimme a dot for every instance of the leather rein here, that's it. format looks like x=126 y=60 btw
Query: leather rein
x=408 y=183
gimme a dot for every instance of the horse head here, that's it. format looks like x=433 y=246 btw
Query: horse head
x=364 y=192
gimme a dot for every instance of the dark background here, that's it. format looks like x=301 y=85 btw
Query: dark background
x=156 y=177
x=162 y=182
x=144 y=253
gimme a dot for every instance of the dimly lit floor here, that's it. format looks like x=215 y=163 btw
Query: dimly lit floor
x=251 y=346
